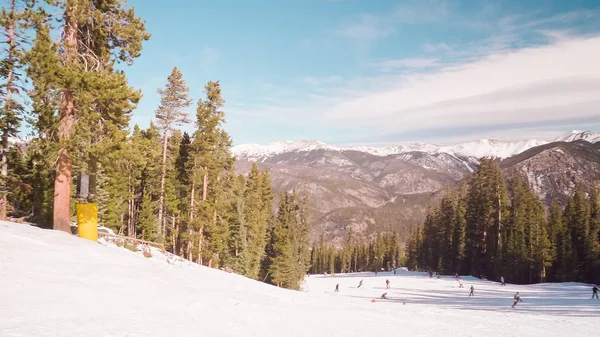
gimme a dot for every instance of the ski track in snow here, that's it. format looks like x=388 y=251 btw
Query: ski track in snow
x=55 y=284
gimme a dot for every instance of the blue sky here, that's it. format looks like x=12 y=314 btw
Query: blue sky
x=349 y=71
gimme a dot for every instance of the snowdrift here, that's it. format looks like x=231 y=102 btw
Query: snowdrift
x=56 y=284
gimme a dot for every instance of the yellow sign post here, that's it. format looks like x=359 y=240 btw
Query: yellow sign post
x=87 y=220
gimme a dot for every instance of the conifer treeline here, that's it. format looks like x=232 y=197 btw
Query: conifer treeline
x=492 y=229
x=157 y=184
x=384 y=251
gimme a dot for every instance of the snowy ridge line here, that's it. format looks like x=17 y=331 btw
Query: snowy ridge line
x=479 y=148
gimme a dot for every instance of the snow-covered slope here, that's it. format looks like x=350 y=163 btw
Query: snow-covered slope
x=592 y=137
x=254 y=152
x=55 y=284
x=476 y=149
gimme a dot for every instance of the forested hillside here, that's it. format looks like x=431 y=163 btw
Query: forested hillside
x=157 y=183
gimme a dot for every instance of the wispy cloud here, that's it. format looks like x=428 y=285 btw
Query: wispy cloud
x=421 y=11
x=406 y=63
x=541 y=85
x=524 y=72
x=367 y=27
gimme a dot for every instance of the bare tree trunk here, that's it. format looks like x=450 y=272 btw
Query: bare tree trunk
x=190 y=244
x=174 y=235
x=7 y=101
x=205 y=187
x=66 y=126
x=161 y=201
x=499 y=243
x=200 y=238
x=131 y=205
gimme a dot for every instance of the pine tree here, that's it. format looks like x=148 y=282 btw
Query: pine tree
x=41 y=69
x=15 y=20
x=237 y=241
x=458 y=237
x=281 y=269
x=146 y=222
x=578 y=223
x=95 y=101
x=254 y=215
x=557 y=241
x=486 y=211
x=182 y=188
x=593 y=238
x=170 y=113
x=210 y=157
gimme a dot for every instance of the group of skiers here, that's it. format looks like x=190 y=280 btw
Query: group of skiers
x=516 y=297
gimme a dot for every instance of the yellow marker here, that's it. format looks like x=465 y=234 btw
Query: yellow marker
x=87 y=221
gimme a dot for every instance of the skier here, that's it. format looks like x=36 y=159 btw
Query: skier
x=394 y=271
x=359 y=283
x=337 y=287
x=456 y=276
x=517 y=299
x=502 y=280
x=387 y=284
x=384 y=296
x=472 y=293
x=460 y=285
x=595 y=292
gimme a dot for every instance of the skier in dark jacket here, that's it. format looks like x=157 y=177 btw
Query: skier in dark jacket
x=337 y=287
x=387 y=284
x=359 y=283
x=472 y=293
x=595 y=292
x=517 y=299
x=384 y=296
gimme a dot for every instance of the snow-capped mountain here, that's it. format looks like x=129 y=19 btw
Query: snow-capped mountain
x=255 y=152
x=367 y=187
x=479 y=148
x=592 y=137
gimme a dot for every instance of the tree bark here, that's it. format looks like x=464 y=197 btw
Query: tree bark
x=190 y=244
x=200 y=246
x=161 y=201
x=174 y=236
x=205 y=187
x=66 y=125
x=131 y=207
x=7 y=100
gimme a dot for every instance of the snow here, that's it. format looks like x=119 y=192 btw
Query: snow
x=573 y=135
x=56 y=284
x=478 y=148
x=255 y=152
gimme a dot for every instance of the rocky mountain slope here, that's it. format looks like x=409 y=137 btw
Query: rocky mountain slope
x=365 y=189
x=553 y=170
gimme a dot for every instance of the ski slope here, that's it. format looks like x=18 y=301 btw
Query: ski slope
x=55 y=284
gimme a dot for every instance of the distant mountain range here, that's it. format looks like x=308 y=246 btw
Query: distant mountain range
x=367 y=189
x=479 y=148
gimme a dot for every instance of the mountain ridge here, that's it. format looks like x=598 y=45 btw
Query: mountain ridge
x=478 y=148
x=351 y=189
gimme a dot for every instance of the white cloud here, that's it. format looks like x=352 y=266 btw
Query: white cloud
x=536 y=84
x=531 y=86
